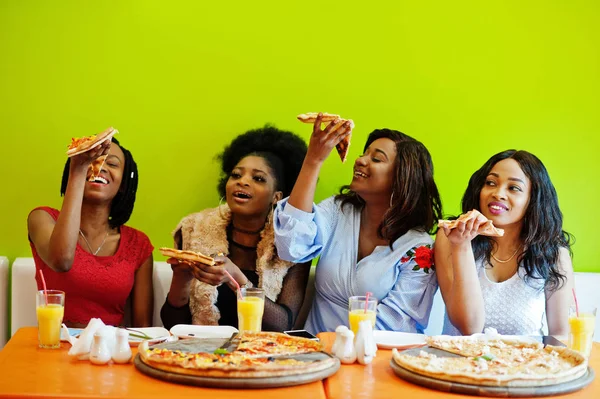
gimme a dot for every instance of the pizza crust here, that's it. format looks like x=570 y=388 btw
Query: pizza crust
x=187 y=256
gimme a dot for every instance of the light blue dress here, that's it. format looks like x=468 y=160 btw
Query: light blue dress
x=404 y=295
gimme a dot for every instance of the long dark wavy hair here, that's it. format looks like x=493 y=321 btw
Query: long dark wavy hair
x=416 y=201
x=121 y=206
x=541 y=235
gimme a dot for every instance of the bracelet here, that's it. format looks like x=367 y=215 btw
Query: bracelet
x=247 y=285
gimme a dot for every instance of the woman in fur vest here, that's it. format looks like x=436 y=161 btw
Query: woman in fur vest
x=259 y=168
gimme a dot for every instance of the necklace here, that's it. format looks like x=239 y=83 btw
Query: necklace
x=507 y=260
x=88 y=243
x=244 y=247
x=246 y=231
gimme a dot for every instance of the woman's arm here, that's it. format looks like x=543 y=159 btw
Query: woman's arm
x=281 y=315
x=143 y=295
x=457 y=276
x=55 y=241
x=319 y=147
x=558 y=302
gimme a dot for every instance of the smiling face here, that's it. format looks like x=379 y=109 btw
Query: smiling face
x=374 y=170
x=251 y=188
x=505 y=195
x=108 y=180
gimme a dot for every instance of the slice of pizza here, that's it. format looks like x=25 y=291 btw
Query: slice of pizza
x=189 y=257
x=488 y=228
x=83 y=144
x=341 y=147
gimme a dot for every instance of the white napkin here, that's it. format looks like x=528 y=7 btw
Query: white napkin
x=83 y=344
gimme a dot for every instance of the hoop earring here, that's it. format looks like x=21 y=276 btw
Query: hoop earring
x=219 y=207
x=221 y=201
x=391 y=199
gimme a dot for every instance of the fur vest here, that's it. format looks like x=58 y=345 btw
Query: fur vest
x=206 y=232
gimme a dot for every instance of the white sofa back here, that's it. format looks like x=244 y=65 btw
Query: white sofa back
x=24 y=288
x=3 y=300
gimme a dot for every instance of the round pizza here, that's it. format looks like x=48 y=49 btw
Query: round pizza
x=250 y=355
x=499 y=361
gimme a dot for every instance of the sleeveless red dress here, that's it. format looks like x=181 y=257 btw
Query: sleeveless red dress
x=97 y=286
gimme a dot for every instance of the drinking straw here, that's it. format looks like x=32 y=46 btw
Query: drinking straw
x=367 y=301
x=576 y=304
x=239 y=290
x=44 y=285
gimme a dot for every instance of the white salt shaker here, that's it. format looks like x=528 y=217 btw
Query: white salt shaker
x=345 y=350
x=100 y=352
x=365 y=345
x=338 y=338
x=122 y=351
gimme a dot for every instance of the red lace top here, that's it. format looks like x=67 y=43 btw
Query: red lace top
x=97 y=286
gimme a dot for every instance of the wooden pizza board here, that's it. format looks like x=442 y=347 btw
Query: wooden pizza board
x=481 y=390
x=238 y=383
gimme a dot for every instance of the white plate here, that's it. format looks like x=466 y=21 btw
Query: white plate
x=158 y=334
x=191 y=331
x=400 y=340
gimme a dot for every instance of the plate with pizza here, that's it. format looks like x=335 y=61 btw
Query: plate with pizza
x=251 y=360
x=502 y=365
x=79 y=145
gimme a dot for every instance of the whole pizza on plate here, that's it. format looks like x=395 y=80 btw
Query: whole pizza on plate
x=496 y=361
x=252 y=355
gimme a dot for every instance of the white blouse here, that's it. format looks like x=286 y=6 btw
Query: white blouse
x=513 y=307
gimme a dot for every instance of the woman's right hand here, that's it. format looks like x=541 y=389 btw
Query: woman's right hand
x=322 y=141
x=466 y=231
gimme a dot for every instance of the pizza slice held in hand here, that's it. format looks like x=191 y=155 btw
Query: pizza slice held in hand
x=83 y=144
x=487 y=229
x=343 y=146
x=189 y=257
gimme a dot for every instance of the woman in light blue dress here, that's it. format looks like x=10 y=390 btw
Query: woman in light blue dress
x=373 y=236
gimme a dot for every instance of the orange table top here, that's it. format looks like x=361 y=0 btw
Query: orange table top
x=26 y=371
x=377 y=380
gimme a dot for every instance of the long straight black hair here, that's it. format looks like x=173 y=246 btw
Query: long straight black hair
x=541 y=235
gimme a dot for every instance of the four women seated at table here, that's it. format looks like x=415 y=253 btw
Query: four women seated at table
x=374 y=236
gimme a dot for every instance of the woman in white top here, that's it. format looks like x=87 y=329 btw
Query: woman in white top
x=511 y=282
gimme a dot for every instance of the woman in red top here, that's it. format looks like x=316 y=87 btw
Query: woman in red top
x=85 y=250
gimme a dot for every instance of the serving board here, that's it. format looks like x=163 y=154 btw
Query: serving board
x=238 y=383
x=481 y=390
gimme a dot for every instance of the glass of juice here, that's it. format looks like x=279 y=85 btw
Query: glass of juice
x=581 y=329
x=357 y=313
x=250 y=309
x=50 y=308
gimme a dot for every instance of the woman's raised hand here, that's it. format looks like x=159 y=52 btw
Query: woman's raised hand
x=85 y=159
x=322 y=141
x=466 y=230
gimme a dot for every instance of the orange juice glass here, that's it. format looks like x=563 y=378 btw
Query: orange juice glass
x=581 y=329
x=250 y=309
x=356 y=311
x=50 y=308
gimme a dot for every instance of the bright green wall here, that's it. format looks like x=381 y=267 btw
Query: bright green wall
x=179 y=79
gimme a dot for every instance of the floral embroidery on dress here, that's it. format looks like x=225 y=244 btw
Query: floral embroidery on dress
x=423 y=256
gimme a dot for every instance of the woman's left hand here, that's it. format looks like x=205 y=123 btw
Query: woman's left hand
x=215 y=275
